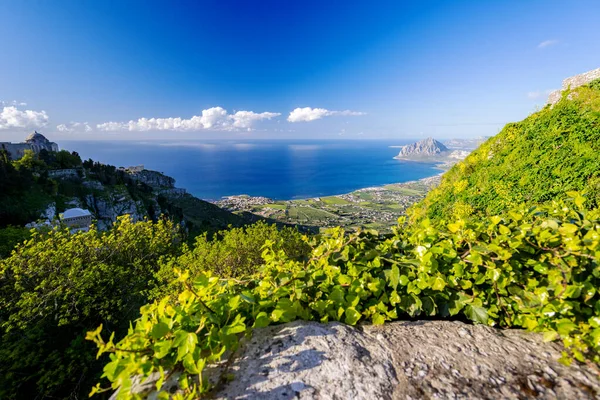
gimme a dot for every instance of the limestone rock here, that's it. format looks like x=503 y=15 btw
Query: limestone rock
x=572 y=83
x=399 y=360
x=107 y=206
x=424 y=148
x=442 y=359
x=308 y=360
x=151 y=178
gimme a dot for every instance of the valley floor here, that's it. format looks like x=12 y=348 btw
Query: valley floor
x=373 y=207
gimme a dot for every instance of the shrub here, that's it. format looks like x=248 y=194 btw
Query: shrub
x=532 y=268
x=57 y=286
x=231 y=253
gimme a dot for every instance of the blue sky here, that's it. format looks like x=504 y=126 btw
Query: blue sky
x=285 y=69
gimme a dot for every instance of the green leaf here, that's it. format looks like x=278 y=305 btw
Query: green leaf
x=248 y=297
x=496 y=219
x=550 y=336
x=352 y=316
x=190 y=364
x=564 y=327
x=337 y=296
x=159 y=330
x=504 y=230
x=186 y=343
x=568 y=229
x=454 y=227
x=404 y=280
x=438 y=283
x=261 y=320
x=378 y=319
x=161 y=349
x=394 y=276
x=476 y=314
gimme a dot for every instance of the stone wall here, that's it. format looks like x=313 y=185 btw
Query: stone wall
x=64 y=173
x=15 y=150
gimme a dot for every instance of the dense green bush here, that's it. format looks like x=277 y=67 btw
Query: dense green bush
x=10 y=237
x=534 y=161
x=57 y=286
x=532 y=268
x=232 y=253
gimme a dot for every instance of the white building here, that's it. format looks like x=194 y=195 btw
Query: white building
x=77 y=219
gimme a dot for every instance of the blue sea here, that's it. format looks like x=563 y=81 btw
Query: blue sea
x=281 y=170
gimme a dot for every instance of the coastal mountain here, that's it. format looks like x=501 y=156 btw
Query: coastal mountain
x=425 y=148
x=551 y=153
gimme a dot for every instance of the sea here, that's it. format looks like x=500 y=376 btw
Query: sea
x=278 y=169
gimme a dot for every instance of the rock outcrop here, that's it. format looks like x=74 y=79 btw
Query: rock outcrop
x=400 y=360
x=425 y=148
x=151 y=178
x=110 y=204
x=572 y=83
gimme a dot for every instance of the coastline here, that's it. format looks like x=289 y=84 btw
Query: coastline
x=426 y=180
x=374 y=207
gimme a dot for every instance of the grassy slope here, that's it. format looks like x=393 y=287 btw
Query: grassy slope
x=551 y=152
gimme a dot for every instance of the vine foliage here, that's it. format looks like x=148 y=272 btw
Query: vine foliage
x=533 y=268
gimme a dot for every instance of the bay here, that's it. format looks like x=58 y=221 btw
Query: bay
x=278 y=169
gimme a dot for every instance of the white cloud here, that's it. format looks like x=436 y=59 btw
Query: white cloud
x=215 y=118
x=245 y=119
x=547 y=43
x=74 y=127
x=12 y=103
x=12 y=117
x=308 y=114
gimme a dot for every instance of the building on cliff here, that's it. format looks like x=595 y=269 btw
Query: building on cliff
x=77 y=219
x=35 y=142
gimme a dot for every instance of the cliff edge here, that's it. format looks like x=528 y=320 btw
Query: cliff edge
x=572 y=83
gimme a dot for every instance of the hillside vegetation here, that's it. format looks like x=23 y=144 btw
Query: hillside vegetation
x=57 y=286
x=28 y=188
x=552 y=152
x=511 y=238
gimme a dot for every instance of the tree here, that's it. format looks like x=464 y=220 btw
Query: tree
x=57 y=286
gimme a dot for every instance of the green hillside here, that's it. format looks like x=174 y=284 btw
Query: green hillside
x=553 y=151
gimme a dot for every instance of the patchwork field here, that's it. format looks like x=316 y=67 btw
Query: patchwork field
x=375 y=208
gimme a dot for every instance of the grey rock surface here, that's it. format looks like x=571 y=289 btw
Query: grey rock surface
x=442 y=359
x=151 y=178
x=425 y=147
x=111 y=204
x=399 y=360
x=572 y=83
x=308 y=360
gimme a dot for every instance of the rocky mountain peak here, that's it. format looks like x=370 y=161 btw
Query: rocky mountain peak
x=425 y=147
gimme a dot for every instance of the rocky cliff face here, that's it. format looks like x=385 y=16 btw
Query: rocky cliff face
x=424 y=148
x=110 y=204
x=400 y=360
x=572 y=83
x=159 y=196
x=152 y=178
